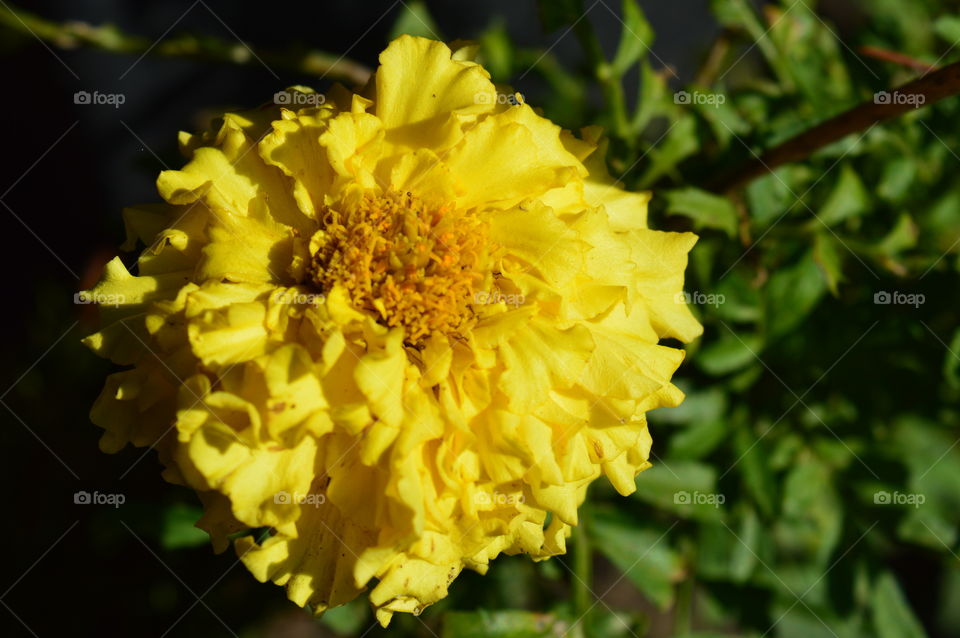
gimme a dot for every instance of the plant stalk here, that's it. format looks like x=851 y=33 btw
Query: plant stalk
x=73 y=34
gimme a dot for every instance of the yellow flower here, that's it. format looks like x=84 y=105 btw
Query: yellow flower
x=402 y=330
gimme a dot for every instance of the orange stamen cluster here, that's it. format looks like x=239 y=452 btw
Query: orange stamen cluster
x=415 y=265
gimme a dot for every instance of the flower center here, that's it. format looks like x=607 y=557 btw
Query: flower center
x=414 y=264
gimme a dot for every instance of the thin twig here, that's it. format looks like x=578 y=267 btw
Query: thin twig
x=714 y=60
x=73 y=34
x=926 y=90
x=897 y=58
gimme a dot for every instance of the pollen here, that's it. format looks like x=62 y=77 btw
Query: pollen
x=413 y=264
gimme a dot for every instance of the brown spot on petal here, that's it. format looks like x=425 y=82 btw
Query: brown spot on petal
x=598 y=448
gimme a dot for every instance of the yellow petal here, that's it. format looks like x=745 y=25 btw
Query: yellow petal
x=443 y=85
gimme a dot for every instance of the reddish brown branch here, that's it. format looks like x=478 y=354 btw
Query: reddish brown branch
x=897 y=58
x=885 y=105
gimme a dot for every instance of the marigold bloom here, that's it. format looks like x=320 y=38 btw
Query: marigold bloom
x=403 y=330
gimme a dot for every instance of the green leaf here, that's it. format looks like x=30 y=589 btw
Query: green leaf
x=741 y=298
x=811 y=521
x=849 y=198
x=698 y=440
x=907 y=25
x=730 y=553
x=892 y=617
x=636 y=37
x=654 y=98
x=811 y=54
x=829 y=256
x=679 y=142
x=751 y=457
x=724 y=119
x=496 y=50
x=898 y=176
x=743 y=559
x=901 y=237
x=348 y=619
x=177 y=528
x=614 y=623
x=740 y=14
x=644 y=556
x=772 y=196
x=941 y=224
x=705 y=209
x=501 y=624
x=791 y=294
x=948 y=28
x=800 y=621
x=686 y=488
x=934 y=472
x=415 y=19
x=729 y=353
x=706 y=405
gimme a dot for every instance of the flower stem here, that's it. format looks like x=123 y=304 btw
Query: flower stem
x=610 y=83
x=684 y=607
x=73 y=34
x=582 y=569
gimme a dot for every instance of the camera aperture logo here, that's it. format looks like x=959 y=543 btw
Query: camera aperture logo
x=99 y=99
x=301 y=298
x=701 y=98
x=698 y=298
x=896 y=298
x=898 y=498
x=916 y=100
x=98 y=298
x=296 y=98
x=684 y=497
x=98 y=498
x=286 y=498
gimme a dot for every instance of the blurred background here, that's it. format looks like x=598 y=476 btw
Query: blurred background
x=809 y=486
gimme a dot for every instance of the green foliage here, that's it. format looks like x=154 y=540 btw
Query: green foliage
x=816 y=446
x=178 y=530
x=415 y=19
x=506 y=624
x=706 y=210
